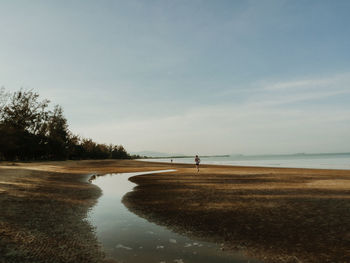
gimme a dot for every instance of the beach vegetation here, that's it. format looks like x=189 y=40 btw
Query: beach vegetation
x=30 y=130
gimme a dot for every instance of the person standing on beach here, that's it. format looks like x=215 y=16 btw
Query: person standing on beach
x=197 y=161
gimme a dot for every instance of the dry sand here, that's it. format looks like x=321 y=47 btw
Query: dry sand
x=277 y=215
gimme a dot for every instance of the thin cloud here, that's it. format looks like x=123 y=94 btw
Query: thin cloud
x=335 y=81
x=235 y=128
x=291 y=92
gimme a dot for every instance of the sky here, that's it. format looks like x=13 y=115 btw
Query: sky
x=191 y=76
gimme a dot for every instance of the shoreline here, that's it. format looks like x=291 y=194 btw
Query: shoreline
x=274 y=214
x=83 y=167
x=241 y=165
x=44 y=207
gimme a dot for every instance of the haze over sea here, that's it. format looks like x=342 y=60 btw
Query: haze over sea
x=321 y=161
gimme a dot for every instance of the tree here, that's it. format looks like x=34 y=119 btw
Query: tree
x=57 y=134
x=119 y=153
x=30 y=131
x=25 y=112
x=75 y=149
x=21 y=120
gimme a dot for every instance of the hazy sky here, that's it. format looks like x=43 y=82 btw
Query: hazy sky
x=207 y=77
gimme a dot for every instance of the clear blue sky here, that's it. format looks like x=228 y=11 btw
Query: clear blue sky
x=205 y=77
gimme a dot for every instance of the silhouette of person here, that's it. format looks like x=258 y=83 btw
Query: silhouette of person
x=197 y=161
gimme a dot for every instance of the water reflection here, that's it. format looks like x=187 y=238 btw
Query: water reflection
x=126 y=237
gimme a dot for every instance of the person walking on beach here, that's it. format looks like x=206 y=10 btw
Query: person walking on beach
x=197 y=161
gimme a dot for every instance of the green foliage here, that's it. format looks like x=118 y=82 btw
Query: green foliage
x=25 y=112
x=30 y=131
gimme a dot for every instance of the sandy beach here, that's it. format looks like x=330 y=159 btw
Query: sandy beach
x=273 y=214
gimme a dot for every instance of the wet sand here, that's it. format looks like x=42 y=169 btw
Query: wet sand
x=43 y=209
x=275 y=214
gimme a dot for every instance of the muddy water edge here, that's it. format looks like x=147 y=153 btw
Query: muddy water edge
x=126 y=237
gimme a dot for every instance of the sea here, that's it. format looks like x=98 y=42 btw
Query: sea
x=302 y=160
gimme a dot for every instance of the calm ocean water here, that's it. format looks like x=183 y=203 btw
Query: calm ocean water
x=322 y=161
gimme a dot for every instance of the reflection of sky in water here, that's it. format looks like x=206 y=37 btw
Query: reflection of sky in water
x=129 y=238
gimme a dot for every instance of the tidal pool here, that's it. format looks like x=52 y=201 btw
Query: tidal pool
x=126 y=237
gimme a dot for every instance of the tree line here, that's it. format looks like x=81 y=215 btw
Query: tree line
x=30 y=130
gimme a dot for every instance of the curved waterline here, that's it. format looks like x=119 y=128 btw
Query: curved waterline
x=127 y=237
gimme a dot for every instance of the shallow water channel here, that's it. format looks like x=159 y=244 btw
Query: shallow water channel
x=127 y=237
